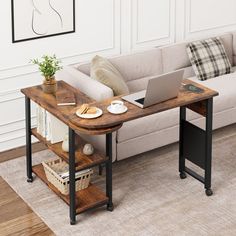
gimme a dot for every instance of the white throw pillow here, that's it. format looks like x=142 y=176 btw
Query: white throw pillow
x=103 y=71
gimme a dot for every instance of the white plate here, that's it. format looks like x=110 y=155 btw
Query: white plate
x=90 y=116
x=125 y=109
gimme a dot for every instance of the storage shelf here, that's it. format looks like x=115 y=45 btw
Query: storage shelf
x=82 y=161
x=85 y=199
x=92 y=196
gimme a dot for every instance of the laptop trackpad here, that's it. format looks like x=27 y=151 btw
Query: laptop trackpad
x=140 y=100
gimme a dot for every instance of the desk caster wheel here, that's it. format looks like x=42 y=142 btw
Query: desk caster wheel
x=72 y=222
x=110 y=207
x=30 y=180
x=182 y=175
x=209 y=192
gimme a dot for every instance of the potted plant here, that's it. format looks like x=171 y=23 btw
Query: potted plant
x=48 y=66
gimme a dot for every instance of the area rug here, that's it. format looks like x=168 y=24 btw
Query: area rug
x=149 y=197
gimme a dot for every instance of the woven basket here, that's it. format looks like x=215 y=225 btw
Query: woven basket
x=54 y=170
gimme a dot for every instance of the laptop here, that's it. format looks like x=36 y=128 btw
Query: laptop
x=159 y=89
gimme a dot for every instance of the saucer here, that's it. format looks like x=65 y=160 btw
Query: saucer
x=124 y=109
x=90 y=116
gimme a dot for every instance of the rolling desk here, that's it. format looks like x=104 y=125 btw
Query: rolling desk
x=195 y=144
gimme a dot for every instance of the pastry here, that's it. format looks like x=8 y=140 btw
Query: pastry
x=91 y=110
x=83 y=109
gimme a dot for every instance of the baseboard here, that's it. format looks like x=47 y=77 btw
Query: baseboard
x=19 y=152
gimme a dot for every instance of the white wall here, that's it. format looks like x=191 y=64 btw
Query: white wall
x=106 y=27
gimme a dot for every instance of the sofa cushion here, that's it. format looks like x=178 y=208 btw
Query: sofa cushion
x=134 y=66
x=234 y=48
x=103 y=71
x=227 y=41
x=84 y=67
x=208 y=58
x=138 y=65
x=175 y=57
x=148 y=124
x=226 y=86
x=139 y=84
x=188 y=72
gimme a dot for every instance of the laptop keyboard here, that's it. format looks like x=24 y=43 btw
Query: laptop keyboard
x=140 y=100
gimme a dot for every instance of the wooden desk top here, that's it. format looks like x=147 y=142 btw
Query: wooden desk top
x=48 y=102
x=109 y=120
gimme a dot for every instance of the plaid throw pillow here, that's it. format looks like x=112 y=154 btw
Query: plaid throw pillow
x=208 y=58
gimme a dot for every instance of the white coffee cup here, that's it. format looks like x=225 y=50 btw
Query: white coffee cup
x=117 y=106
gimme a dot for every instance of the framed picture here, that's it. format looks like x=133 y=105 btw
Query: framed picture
x=34 y=19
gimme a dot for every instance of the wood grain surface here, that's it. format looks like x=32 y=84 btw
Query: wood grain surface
x=185 y=98
x=16 y=217
x=85 y=198
x=49 y=102
x=82 y=161
x=108 y=122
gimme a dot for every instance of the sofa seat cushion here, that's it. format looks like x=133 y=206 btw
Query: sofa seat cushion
x=226 y=86
x=148 y=124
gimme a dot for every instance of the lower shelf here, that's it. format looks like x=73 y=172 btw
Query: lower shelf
x=86 y=199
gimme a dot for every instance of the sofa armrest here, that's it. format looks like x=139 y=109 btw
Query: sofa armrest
x=84 y=83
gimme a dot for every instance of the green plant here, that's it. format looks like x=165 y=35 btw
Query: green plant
x=49 y=65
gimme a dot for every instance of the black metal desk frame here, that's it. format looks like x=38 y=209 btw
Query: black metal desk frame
x=195 y=145
x=72 y=149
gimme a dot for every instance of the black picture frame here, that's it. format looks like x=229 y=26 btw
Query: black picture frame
x=15 y=40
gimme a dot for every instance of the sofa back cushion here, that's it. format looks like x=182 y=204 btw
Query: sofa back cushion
x=139 y=65
x=84 y=67
x=175 y=56
x=139 y=84
x=227 y=41
x=134 y=66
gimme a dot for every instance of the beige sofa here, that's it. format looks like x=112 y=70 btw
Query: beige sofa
x=160 y=129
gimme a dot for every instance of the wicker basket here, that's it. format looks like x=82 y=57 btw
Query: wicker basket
x=55 y=169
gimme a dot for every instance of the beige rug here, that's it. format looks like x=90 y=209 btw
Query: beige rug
x=149 y=197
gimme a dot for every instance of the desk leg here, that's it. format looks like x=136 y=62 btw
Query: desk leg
x=109 y=171
x=208 y=146
x=182 y=118
x=72 y=176
x=28 y=140
x=100 y=169
x=195 y=144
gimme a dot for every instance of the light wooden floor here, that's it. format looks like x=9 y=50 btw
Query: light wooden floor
x=16 y=217
x=19 y=152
